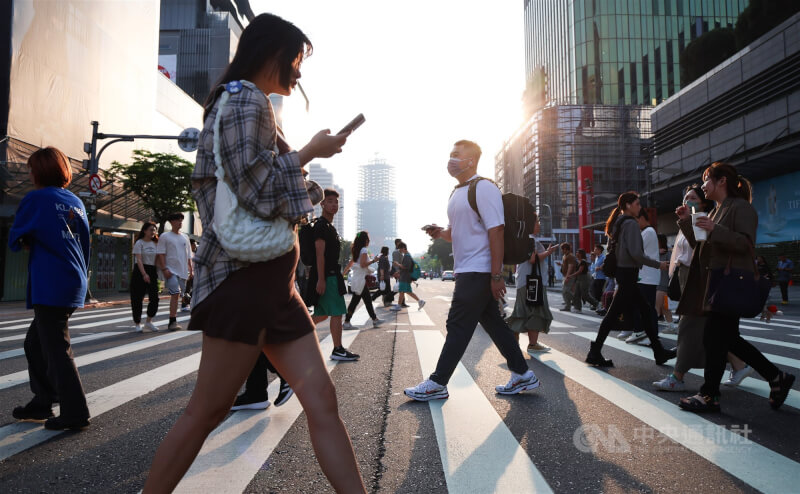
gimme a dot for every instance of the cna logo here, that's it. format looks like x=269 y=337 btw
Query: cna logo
x=590 y=438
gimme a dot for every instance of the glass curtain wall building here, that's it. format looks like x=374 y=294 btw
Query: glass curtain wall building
x=377 y=207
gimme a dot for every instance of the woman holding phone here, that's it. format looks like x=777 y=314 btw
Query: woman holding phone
x=268 y=179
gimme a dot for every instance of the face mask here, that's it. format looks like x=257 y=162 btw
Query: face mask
x=456 y=167
x=692 y=204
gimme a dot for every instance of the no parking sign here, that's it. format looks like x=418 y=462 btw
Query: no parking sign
x=95 y=183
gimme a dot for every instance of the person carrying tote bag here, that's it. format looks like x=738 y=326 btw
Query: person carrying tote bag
x=730 y=233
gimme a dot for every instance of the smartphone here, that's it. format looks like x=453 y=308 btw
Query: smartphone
x=431 y=227
x=354 y=124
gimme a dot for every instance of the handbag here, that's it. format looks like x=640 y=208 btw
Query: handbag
x=674 y=290
x=372 y=281
x=243 y=235
x=534 y=287
x=737 y=292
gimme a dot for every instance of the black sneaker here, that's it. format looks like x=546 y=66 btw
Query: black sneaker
x=60 y=424
x=32 y=412
x=245 y=402
x=284 y=394
x=341 y=353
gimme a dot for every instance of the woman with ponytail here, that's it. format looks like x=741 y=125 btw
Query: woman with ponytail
x=731 y=228
x=629 y=300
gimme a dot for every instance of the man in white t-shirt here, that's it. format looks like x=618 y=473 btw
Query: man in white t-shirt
x=174 y=259
x=648 y=277
x=477 y=239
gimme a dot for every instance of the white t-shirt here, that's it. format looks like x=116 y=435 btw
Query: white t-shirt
x=146 y=249
x=470 y=238
x=526 y=268
x=178 y=251
x=648 y=275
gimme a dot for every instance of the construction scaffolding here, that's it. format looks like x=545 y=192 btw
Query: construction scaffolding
x=377 y=206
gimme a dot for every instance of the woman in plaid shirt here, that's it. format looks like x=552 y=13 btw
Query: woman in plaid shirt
x=239 y=314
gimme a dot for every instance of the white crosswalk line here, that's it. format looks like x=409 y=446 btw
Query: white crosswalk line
x=234 y=453
x=79 y=339
x=419 y=317
x=19 y=436
x=479 y=453
x=21 y=377
x=749 y=384
x=361 y=317
x=748 y=461
x=85 y=316
x=13 y=338
x=77 y=313
x=775 y=359
x=442 y=297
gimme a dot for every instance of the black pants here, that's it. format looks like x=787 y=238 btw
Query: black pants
x=597 y=289
x=256 y=384
x=784 y=290
x=138 y=290
x=52 y=371
x=630 y=301
x=386 y=293
x=649 y=294
x=473 y=303
x=721 y=335
x=367 y=298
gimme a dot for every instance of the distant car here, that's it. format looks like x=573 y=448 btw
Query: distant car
x=425 y=275
x=448 y=275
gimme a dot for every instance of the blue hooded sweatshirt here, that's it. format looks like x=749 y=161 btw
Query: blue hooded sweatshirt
x=52 y=222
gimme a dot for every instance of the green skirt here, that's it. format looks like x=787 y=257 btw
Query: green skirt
x=530 y=318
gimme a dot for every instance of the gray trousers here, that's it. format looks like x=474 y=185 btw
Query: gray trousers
x=473 y=303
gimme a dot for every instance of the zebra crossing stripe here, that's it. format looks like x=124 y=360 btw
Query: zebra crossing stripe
x=754 y=464
x=775 y=359
x=479 y=453
x=77 y=313
x=80 y=339
x=419 y=317
x=234 y=453
x=19 y=436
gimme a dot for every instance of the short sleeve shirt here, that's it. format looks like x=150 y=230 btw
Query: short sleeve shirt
x=177 y=252
x=569 y=260
x=408 y=265
x=146 y=249
x=333 y=244
x=469 y=233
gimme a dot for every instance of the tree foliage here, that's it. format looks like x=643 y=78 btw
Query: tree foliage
x=761 y=16
x=706 y=52
x=161 y=180
x=344 y=253
x=443 y=251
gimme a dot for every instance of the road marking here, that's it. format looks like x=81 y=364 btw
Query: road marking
x=234 y=453
x=81 y=317
x=79 y=339
x=19 y=436
x=397 y=331
x=21 y=377
x=749 y=384
x=775 y=359
x=419 y=318
x=750 y=462
x=479 y=453
x=76 y=313
x=12 y=338
x=446 y=299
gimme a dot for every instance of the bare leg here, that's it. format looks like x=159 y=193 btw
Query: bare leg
x=173 y=305
x=224 y=366
x=336 y=330
x=736 y=362
x=533 y=337
x=413 y=295
x=678 y=375
x=318 y=319
x=402 y=298
x=300 y=363
x=660 y=297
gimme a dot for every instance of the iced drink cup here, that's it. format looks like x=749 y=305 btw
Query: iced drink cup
x=699 y=233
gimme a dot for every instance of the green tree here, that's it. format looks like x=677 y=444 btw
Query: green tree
x=706 y=52
x=761 y=16
x=344 y=253
x=161 y=180
x=443 y=251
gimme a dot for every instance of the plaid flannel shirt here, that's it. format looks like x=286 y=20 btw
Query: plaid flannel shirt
x=265 y=182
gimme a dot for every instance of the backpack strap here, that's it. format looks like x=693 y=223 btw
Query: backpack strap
x=472 y=193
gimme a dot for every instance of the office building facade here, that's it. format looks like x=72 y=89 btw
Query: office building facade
x=324 y=178
x=376 y=206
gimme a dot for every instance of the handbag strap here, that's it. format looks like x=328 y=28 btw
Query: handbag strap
x=223 y=100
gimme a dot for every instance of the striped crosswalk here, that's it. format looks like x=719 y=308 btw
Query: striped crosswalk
x=475 y=436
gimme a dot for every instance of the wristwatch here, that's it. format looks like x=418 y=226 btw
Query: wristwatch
x=497 y=277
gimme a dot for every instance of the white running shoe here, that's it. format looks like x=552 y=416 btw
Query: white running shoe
x=137 y=327
x=396 y=308
x=421 y=304
x=427 y=390
x=624 y=334
x=670 y=328
x=639 y=335
x=736 y=377
x=347 y=325
x=518 y=383
x=670 y=383
x=149 y=328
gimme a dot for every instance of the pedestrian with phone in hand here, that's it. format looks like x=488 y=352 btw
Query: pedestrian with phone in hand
x=239 y=315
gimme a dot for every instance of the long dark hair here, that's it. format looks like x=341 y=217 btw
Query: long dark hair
x=361 y=241
x=267 y=39
x=145 y=226
x=697 y=189
x=737 y=185
x=622 y=203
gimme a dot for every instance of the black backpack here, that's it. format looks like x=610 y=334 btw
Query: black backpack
x=308 y=250
x=610 y=263
x=519 y=216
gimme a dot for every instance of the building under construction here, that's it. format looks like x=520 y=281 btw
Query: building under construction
x=377 y=206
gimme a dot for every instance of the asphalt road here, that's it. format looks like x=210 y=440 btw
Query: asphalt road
x=583 y=430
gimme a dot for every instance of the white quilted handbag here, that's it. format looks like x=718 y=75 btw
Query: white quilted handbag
x=244 y=236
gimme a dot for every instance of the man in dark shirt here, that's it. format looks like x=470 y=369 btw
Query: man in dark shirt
x=569 y=264
x=326 y=275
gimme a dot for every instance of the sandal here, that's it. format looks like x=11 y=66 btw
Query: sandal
x=699 y=404
x=778 y=391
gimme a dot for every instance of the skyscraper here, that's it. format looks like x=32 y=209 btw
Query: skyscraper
x=324 y=178
x=377 y=207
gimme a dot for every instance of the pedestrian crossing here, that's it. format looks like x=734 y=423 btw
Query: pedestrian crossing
x=478 y=448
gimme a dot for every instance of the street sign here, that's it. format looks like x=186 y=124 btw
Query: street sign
x=95 y=183
x=187 y=140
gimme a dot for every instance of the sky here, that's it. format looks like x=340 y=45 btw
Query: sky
x=424 y=74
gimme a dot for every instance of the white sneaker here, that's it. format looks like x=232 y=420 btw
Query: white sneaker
x=376 y=322
x=518 y=383
x=639 y=335
x=421 y=304
x=736 y=377
x=624 y=334
x=670 y=383
x=670 y=328
x=396 y=308
x=188 y=308
x=137 y=327
x=347 y=325
x=427 y=390
x=149 y=328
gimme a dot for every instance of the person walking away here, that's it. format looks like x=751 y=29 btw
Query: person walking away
x=174 y=257
x=326 y=276
x=785 y=268
x=51 y=224
x=583 y=283
x=384 y=278
x=255 y=395
x=551 y=275
x=569 y=264
x=662 y=300
x=478 y=266
x=404 y=281
x=598 y=276
x=240 y=315
x=649 y=277
x=629 y=300
x=144 y=278
x=360 y=264
x=526 y=317
x=731 y=232
x=397 y=259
